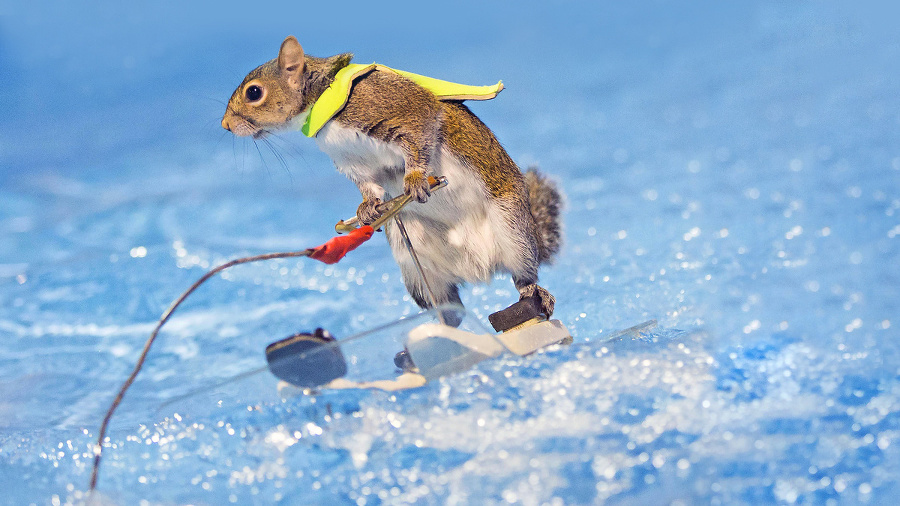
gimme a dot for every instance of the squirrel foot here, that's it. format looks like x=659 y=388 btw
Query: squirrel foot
x=415 y=183
x=547 y=300
x=367 y=212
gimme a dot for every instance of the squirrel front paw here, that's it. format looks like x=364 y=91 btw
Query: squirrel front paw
x=367 y=212
x=415 y=184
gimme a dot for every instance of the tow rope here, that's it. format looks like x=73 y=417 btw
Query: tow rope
x=330 y=253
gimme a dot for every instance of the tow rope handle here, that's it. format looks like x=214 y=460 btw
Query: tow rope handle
x=388 y=209
x=336 y=247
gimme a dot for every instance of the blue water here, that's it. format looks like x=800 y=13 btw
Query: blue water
x=731 y=171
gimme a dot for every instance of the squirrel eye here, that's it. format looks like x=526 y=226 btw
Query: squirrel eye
x=253 y=93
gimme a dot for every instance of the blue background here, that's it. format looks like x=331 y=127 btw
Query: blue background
x=732 y=171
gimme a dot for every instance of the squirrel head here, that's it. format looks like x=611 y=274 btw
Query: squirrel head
x=276 y=92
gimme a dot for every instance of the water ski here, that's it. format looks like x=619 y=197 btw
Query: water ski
x=311 y=362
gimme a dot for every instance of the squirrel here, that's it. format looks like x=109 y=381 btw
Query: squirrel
x=392 y=134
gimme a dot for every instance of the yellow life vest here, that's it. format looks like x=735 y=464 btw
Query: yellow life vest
x=335 y=96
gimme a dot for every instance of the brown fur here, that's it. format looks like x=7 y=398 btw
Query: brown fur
x=394 y=110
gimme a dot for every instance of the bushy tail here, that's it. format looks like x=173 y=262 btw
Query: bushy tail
x=546 y=203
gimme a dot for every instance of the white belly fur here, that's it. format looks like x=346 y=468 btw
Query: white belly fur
x=461 y=233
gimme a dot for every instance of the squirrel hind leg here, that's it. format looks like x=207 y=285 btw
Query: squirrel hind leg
x=449 y=295
x=529 y=288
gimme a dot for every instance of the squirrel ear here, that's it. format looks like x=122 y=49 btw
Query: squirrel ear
x=291 y=61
